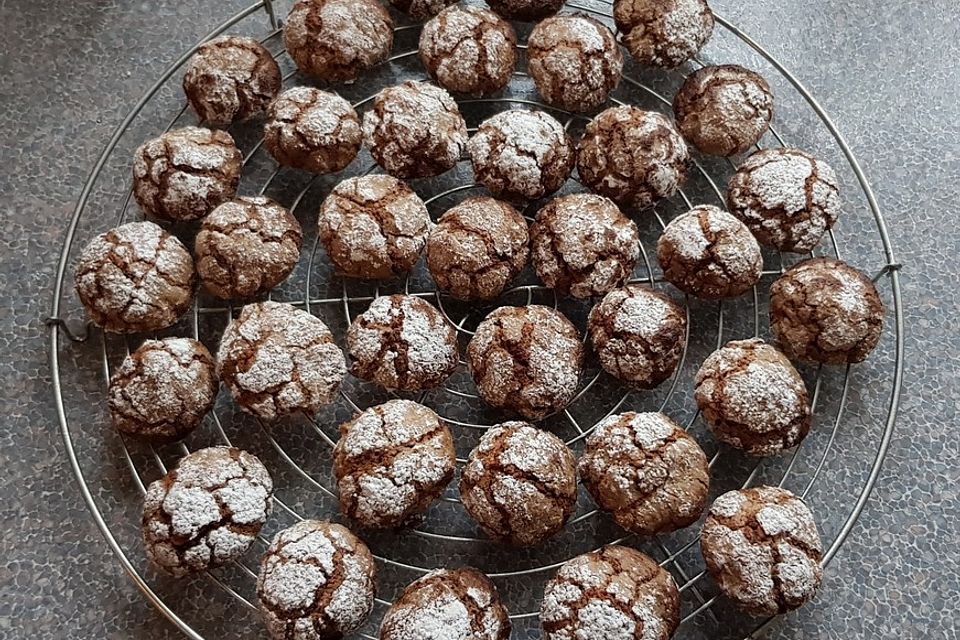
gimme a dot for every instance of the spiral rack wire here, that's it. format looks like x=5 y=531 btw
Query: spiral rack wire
x=112 y=472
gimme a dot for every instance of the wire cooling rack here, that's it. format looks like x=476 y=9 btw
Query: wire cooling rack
x=834 y=469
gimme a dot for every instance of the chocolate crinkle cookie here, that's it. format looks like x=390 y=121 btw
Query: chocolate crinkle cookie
x=246 y=247
x=583 y=246
x=615 y=593
x=825 y=311
x=525 y=10
x=469 y=50
x=647 y=471
x=787 y=198
x=521 y=155
x=638 y=335
x=526 y=360
x=519 y=484
x=207 y=511
x=574 y=61
x=337 y=40
x=723 y=110
x=634 y=157
x=402 y=343
x=317 y=582
x=162 y=391
x=477 y=248
x=708 y=253
x=663 y=33
x=312 y=130
x=231 y=79
x=421 y=9
x=277 y=360
x=762 y=548
x=183 y=174
x=391 y=463
x=373 y=226
x=752 y=398
x=447 y=604
x=135 y=278
x=415 y=130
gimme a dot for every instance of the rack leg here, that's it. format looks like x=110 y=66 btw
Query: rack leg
x=271 y=14
x=887 y=269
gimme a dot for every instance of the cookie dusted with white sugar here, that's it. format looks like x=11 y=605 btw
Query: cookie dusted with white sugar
x=663 y=33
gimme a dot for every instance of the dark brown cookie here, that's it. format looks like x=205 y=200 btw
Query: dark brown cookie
x=525 y=10
x=663 y=33
x=421 y=9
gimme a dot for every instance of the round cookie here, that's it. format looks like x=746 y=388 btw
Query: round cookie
x=402 y=343
x=184 y=173
x=663 y=34
x=135 y=278
x=469 y=50
x=762 y=548
x=525 y=10
x=231 y=79
x=708 y=253
x=421 y=9
x=646 y=471
x=163 y=390
x=825 y=311
x=521 y=155
x=634 y=157
x=415 y=130
x=373 y=226
x=615 y=593
x=337 y=40
x=583 y=246
x=391 y=463
x=723 y=110
x=574 y=61
x=477 y=248
x=638 y=335
x=786 y=197
x=312 y=130
x=519 y=484
x=207 y=511
x=457 y=604
x=246 y=247
x=752 y=398
x=317 y=581
x=277 y=360
x=526 y=360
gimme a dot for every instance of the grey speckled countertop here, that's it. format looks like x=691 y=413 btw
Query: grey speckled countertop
x=887 y=73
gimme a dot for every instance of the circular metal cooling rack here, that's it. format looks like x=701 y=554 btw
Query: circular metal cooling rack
x=835 y=468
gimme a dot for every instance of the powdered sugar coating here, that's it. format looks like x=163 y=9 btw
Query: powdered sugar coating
x=762 y=548
x=823 y=310
x=526 y=360
x=525 y=10
x=663 y=33
x=519 y=484
x=163 y=390
x=469 y=50
x=616 y=593
x=184 y=173
x=752 y=398
x=314 y=130
x=708 y=253
x=337 y=40
x=402 y=342
x=231 y=79
x=582 y=245
x=521 y=155
x=415 y=130
x=391 y=462
x=634 y=157
x=207 y=511
x=277 y=360
x=574 y=61
x=135 y=278
x=317 y=581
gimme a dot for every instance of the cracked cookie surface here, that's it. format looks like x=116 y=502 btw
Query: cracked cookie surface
x=391 y=463
x=762 y=548
x=663 y=33
x=135 y=278
x=207 y=511
x=277 y=360
x=519 y=484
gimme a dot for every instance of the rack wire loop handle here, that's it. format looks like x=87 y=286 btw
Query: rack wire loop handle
x=79 y=335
